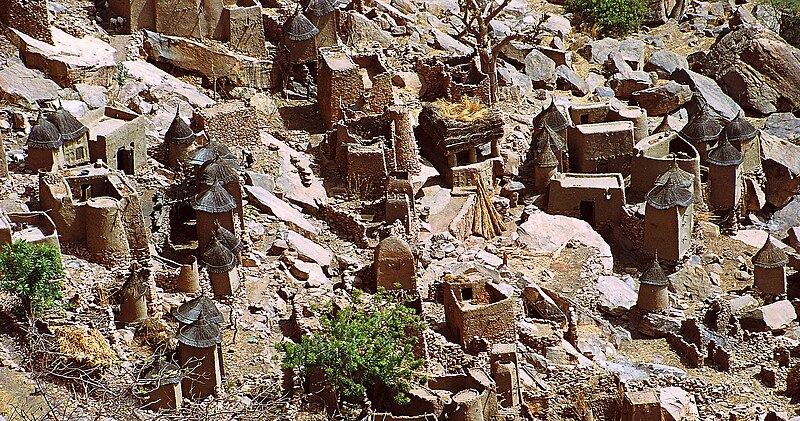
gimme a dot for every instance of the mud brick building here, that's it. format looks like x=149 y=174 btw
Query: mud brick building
x=477 y=310
x=33 y=227
x=655 y=154
x=669 y=215
x=117 y=138
x=596 y=198
x=30 y=17
x=452 y=78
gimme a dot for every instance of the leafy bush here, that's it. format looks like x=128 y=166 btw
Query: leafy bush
x=32 y=272
x=359 y=346
x=609 y=17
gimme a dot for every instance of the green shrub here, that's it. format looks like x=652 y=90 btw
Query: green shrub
x=609 y=17
x=32 y=273
x=359 y=346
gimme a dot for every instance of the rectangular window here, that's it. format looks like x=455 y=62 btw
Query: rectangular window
x=79 y=154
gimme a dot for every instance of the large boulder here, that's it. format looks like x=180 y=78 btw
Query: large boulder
x=597 y=52
x=665 y=63
x=721 y=106
x=781 y=162
x=775 y=316
x=757 y=67
x=663 y=99
x=548 y=234
x=783 y=125
x=540 y=68
x=616 y=297
x=22 y=86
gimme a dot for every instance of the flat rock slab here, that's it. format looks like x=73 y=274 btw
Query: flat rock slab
x=22 y=86
x=68 y=60
x=775 y=316
x=548 y=234
x=270 y=203
x=308 y=250
x=310 y=195
x=159 y=81
x=616 y=297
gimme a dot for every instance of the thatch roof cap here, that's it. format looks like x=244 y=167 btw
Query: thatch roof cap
x=546 y=158
x=702 y=128
x=546 y=135
x=179 y=132
x=189 y=311
x=739 y=129
x=227 y=238
x=322 y=7
x=673 y=188
x=134 y=287
x=200 y=334
x=300 y=28
x=217 y=257
x=44 y=135
x=219 y=170
x=655 y=275
x=69 y=126
x=552 y=117
x=214 y=200
x=210 y=151
x=769 y=256
x=725 y=155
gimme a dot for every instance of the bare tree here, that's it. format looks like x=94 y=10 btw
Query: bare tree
x=476 y=16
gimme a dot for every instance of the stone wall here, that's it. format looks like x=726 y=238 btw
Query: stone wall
x=231 y=121
x=28 y=16
x=345 y=224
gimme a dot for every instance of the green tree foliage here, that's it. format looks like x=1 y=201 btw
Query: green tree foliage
x=360 y=346
x=609 y=17
x=33 y=273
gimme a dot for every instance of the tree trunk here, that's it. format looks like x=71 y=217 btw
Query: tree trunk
x=489 y=67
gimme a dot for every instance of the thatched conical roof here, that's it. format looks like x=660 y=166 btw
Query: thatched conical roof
x=673 y=188
x=546 y=158
x=219 y=170
x=179 y=132
x=200 y=334
x=300 y=28
x=227 y=238
x=322 y=7
x=189 y=311
x=217 y=257
x=702 y=128
x=654 y=275
x=69 y=126
x=210 y=151
x=769 y=256
x=546 y=135
x=44 y=135
x=739 y=129
x=725 y=155
x=552 y=117
x=134 y=287
x=214 y=200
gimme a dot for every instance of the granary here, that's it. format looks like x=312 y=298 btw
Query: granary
x=180 y=141
x=207 y=153
x=44 y=146
x=188 y=276
x=596 y=198
x=229 y=240
x=199 y=352
x=224 y=172
x=477 y=310
x=74 y=137
x=117 y=138
x=703 y=132
x=461 y=144
x=98 y=207
x=190 y=311
x=546 y=165
x=655 y=154
x=214 y=205
x=769 y=268
x=725 y=176
x=358 y=83
x=395 y=266
x=33 y=227
x=222 y=266
x=161 y=386
x=133 y=307
x=743 y=136
x=546 y=137
x=653 y=293
x=367 y=148
x=452 y=79
x=400 y=202
x=556 y=120
x=299 y=33
x=505 y=372
x=669 y=214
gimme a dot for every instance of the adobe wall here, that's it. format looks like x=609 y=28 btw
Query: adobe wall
x=491 y=321
x=55 y=196
x=752 y=153
x=566 y=200
x=327 y=36
x=685 y=349
x=612 y=148
x=133 y=132
x=650 y=160
x=344 y=224
x=244 y=30
x=3 y=156
x=669 y=231
x=39 y=220
x=44 y=159
x=205 y=370
x=225 y=122
x=467 y=175
x=726 y=186
x=138 y=14
x=30 y=17
x=345 y=84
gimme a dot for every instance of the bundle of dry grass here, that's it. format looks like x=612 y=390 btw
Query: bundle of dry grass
x=466 y=110
x=82 y=346
x=156 y=332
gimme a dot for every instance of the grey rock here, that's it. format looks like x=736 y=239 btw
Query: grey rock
x=567 y=79
x=775 y=316
x=625 y=84
x=632 y=51
x=597 y=51
x=663 y=99
x=540 y=68
x=558 y=25
x=93 y=96
x=616 y=297
x=665 y=63
x=783 y=125
x=721 y=106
